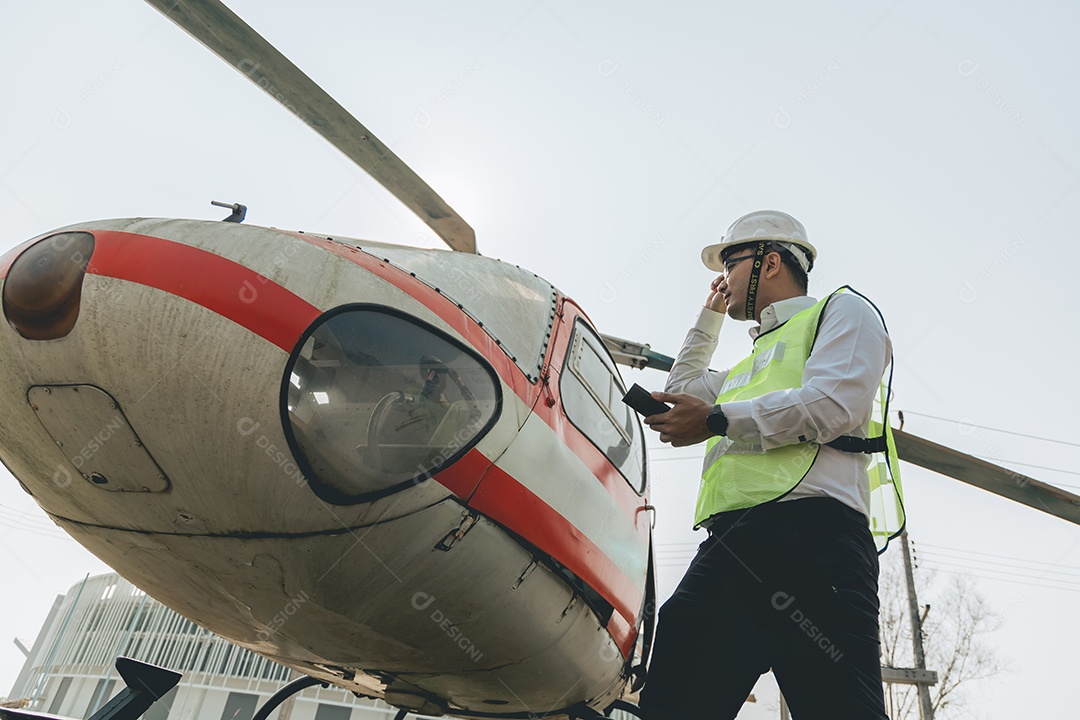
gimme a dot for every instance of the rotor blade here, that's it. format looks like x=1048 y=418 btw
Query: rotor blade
x=234 y=41
x=996 y=479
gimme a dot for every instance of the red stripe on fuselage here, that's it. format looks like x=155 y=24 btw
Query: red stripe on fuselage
x=227 y=288
x=462 y=476
x=506 y=501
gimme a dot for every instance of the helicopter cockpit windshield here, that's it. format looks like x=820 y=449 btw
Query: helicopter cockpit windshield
x=376 y=400
x=514 y=306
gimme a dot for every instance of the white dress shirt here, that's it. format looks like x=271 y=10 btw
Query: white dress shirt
x=840 y=382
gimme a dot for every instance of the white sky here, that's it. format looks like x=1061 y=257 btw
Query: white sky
x=929 y=148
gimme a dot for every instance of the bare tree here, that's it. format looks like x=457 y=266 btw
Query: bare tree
x=955 y=638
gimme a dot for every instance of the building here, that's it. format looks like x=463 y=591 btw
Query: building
x=70 y=669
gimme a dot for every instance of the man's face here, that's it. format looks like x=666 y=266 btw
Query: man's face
x=733 y=287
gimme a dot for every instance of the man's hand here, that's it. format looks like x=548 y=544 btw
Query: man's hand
x=683 y=424
x=716 y=298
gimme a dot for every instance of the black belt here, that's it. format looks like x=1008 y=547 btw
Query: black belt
x=814 y=510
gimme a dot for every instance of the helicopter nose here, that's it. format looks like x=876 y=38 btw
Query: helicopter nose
x=43 y=290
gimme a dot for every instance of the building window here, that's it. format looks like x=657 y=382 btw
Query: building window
x=160 y=709
x=332 y=712
x=58 y=698
x=239 y=706
x=102 y=692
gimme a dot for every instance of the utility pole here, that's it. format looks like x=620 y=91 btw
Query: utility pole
x=926 y=709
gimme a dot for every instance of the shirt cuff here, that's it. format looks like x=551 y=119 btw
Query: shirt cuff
x=741 y=426
x=709 y=322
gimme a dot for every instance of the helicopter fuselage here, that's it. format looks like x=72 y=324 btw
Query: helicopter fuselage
x=404 y=471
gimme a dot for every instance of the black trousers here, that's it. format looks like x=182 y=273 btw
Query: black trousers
x=790 y=586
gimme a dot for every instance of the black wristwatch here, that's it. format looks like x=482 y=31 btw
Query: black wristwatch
x=716 y=421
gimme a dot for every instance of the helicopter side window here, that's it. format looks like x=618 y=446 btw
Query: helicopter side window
x=375 y=400
x=592 y=393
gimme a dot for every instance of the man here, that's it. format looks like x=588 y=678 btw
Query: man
x=787 y=578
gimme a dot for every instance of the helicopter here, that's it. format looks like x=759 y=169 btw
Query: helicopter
x=449 y=422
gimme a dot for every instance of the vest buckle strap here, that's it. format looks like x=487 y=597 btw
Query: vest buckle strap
x=847 y=443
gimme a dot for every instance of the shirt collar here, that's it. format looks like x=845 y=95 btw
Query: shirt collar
x=780 y=312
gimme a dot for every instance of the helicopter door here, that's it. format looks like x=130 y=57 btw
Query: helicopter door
x=592 y=394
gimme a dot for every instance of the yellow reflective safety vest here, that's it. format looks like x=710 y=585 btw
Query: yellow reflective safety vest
x=736 y=476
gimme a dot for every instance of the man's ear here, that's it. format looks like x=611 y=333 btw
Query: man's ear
x=771 y=265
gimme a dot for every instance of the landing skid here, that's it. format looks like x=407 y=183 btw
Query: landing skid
x=579 y=712
x=625 y=706
x=146 y=684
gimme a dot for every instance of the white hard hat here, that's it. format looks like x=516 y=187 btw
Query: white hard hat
x=770 y=225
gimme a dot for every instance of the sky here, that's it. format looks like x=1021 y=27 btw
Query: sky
x=929 y=149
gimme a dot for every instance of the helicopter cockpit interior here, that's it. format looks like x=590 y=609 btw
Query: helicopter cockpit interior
x=376 y=400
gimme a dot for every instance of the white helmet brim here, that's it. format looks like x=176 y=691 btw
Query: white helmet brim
x=763 y=226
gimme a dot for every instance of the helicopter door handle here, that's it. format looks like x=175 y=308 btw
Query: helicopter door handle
x=649 y=509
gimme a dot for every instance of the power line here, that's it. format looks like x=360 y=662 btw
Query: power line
x=985 y=554
x=1051 y=573
x=935 y=556
x=984 y=427
x=27 y=522
x=28 y=515
x=1007 y=580
x=1062 y=584
x=938 y=563
x=1016 y=462
x=673 y=448
x=1010 y=573
x=51 y=536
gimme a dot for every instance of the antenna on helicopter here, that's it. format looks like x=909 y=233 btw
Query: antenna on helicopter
x=239 y=212
x=234 y=41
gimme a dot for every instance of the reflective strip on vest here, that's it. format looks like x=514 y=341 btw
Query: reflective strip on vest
x=887 y=514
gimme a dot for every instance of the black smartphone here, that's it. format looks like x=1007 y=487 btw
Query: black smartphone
x=639 y=398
